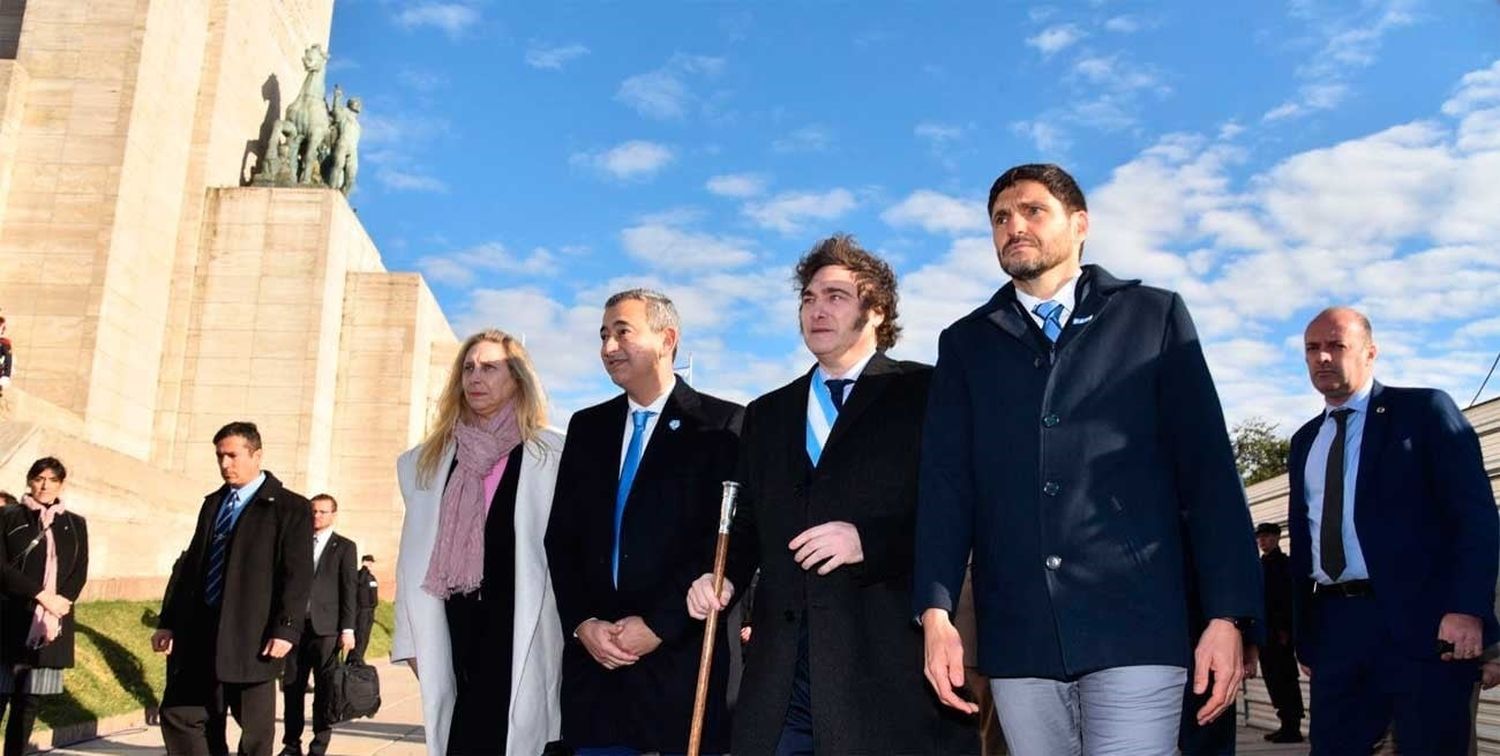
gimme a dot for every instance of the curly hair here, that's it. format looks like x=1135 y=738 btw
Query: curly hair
x=876 y=280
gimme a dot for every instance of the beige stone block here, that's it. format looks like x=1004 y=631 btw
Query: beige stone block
x=92 y=150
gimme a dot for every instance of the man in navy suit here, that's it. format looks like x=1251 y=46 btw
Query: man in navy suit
x=1075 y=444
x=1394 y=605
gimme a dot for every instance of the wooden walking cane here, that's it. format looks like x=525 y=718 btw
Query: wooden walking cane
x=711 y=623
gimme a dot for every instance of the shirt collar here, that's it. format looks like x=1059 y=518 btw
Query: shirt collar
x=1064 y=296
x=248 y=491
x=1359 y=402
x=852 y=374
x=658 y=405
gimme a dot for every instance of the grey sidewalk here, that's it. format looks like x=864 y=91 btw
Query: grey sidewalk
x=395 y=731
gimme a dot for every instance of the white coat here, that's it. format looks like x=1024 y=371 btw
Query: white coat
x=536 y=640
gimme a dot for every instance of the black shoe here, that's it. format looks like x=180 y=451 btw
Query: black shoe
x=291 y=751
x=1285 y=736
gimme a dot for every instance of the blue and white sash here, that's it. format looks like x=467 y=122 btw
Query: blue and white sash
x=821 y=415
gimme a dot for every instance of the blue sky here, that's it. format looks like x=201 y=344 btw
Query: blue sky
x=1264 y=158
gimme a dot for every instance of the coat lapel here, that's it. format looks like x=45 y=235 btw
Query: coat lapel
x=872 y=382
x=1007 y=315
x=1377 y=425
x=681 y=409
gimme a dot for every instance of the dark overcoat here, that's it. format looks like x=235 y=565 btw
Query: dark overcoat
x=1079 y=474
x=865 y=654
x=267 y=578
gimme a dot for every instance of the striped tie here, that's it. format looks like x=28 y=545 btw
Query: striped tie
x=213 y=585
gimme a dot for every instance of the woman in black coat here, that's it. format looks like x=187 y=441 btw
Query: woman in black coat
x=44 y=561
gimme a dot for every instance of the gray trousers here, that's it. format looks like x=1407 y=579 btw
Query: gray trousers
x=1123 y=711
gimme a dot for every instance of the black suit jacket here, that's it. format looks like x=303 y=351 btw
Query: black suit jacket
x=334 y=587
x=1276 y=572
x=21 y=580
x=267 y=578
x=668 y=535
x=1078 y=475
x=1425 y=515
x=865 y=653
x=369 y=589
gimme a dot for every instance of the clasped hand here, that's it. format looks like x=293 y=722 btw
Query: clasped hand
x=618 y=644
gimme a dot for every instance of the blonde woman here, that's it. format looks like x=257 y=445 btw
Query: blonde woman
x=476 y=618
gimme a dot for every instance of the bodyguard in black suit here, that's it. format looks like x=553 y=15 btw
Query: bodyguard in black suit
x=1278 y=657
x=329 y=628
x=1395 y=605
x=828 y=474
x=234 y=605
x=1075 y=444
x=368 y=597
x=633 y=521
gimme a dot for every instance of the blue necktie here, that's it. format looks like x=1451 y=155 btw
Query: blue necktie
x=213 y=584
x=1051 y=314
x=638 y=419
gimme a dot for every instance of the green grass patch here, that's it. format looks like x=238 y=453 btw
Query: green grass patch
x=115 y=671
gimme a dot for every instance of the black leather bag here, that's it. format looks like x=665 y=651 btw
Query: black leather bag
x=355 y=692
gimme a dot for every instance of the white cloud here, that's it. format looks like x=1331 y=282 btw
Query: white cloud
x=663 y=93
x=737 y=185
x=938 y=133
x=812 y=138
x=664 y=246
x=636 y=159
x=789 y=211
x=453 y=19
x=1477 y=89
x=406 y=181
x=461 y=267
x=1349 y=42
x=1048 y=138
x=1125 y=24
x=937 y=213
x=553 y=58
x=1055 y=38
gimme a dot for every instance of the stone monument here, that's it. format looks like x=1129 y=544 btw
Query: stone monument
x=150 y=297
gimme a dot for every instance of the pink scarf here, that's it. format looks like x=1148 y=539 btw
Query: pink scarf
x=457 y=562
x=45 y=626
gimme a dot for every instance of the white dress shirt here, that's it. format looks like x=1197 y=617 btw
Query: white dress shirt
x=1314 y=473
x=1065 y=296
x=655 y=408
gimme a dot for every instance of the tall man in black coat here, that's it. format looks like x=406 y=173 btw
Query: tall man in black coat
x=634 y=520
x=1278 y=657
x=828 y=469
x=329 y=628
x=234 y=605
x=1395 y=548
x=1075 y=444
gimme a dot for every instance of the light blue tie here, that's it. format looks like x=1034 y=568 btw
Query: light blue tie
x=1050 y=312
x=638 y=419
x=213 y=584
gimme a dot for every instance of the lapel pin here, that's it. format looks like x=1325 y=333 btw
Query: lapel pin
x=674 y=423
x=1380 y=410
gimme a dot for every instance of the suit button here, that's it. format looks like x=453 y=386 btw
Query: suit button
x=789 y=615
x=1036 y=363
x=1051 y=420
x=1051 y=488
x=1053 y=562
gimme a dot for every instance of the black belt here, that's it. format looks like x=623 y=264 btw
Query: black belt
x=1346 y=589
